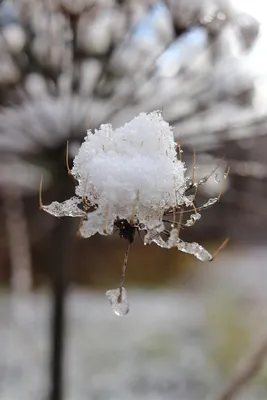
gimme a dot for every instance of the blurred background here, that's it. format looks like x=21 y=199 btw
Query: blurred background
x=70 y=65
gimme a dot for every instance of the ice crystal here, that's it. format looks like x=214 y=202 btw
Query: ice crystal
x=210 y=202
x=68 y=208
x=195 y=249
x=216 y=178
x=193 y=218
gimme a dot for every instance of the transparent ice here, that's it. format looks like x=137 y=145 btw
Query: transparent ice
x=193 y=218
x=216 y=178
x=119 y=301
x=210 y=202
x=195 y=249
x=69 y=208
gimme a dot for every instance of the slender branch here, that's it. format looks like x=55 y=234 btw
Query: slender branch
x=246 y=372
x=125 y=261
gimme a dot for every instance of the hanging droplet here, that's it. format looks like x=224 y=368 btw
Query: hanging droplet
x=119 y=301
x=216 y=178
x=225 y=175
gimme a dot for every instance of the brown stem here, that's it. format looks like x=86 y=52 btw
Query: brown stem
x=126 y=255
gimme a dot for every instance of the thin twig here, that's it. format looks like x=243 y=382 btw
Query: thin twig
x=223 y=184
x=125 y=261
x=245 y=373
x=179 y=150
x=67 y=158
x=40 y=193
x=224 y=243
x=194 y=166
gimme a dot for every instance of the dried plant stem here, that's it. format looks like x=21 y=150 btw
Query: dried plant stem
x=179 y=150
x=126 y=255
x=245 y=373
x=224 y=243
x=223 y=184
x=193 y=167
x=67 y=157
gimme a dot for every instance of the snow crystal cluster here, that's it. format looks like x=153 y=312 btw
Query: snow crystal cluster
x=131 y=174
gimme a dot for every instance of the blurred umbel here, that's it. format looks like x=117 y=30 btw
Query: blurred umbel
x=67 y=66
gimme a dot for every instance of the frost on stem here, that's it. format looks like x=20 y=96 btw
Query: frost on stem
x=130 y=179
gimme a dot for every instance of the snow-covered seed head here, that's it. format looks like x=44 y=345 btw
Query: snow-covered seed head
x=131 y=173
x=132 y=178
x=129 y=179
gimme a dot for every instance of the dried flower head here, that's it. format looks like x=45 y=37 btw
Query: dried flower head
x=132 y=179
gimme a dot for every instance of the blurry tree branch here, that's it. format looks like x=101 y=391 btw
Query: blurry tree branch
x=246 y=372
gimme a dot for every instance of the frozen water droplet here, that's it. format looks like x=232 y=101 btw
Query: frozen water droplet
x=69 y=208
x=196 y=217
x=195 y=249
x=191 y=197
x=193 y=219
x=188 y=183
x=225 y=175
x=216 y=178
x=119 y=301
x=203 y=180
x=210 y=202
x=189 y=222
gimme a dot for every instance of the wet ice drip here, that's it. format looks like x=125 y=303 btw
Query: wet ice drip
x=119 y=301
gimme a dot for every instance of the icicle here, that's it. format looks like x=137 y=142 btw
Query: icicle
x=210 y=202
x=195 y=249
x=69 y=208
x=168 y=244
